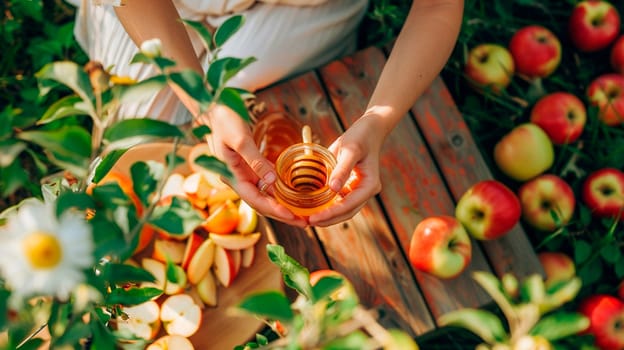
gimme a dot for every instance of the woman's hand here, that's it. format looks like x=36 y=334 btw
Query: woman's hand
x=356 y=175
x=254 y=175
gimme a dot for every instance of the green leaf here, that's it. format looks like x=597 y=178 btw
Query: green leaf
x=295 y=275
x=73 y=200
x=140 y=91
x=203 y=32
x=107 y=164
x=201 y=131
x=214 y=164
x=193 y=84
x=270 y=304
x=75 y=334
x=560 y=325
x=124 y=273
x=69 y=74
x=173 y=274
x=68 y=146
x=64 y=107
x=353 y=341
x=130 y=128
x=178 y=218
x=131 y=296
x=231 y=98
x=223 y=69
x=326 y=286
x=611 y=253
x=582 y=251
x=400 y=341
x=9 y=150
x=227 y=29
x=619 y=269
x=145 y=177
x=482 y=323
x=494 y=288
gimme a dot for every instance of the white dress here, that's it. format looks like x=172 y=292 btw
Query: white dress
x=285 y=40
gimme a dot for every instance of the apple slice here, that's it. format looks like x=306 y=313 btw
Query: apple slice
x=158 y=270
x=237 y=256
x=219 y=195
x=173 y=186
x=169 y=249
x=224 y=266
x=172 y=288
x=236 y=241
x=223 y=218
x=196 y=185
x=207 y=289
x=201 y=261
x=180 y=315
x=247 y=218
x=248 y=256
x=200 y=149
x=192 y=244
x=169 y=342
x=143 y=320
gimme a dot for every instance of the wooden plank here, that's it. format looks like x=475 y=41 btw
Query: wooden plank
x=363 y=248
x=412 y=187
x=462 y=164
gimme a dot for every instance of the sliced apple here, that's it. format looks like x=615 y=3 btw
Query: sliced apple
x=171 y=342
x=224 y=266
x=207 y=289
x=201 y=261
x=219 y=195
x=247 y=218
x=236 y=241
x=223 y=218
x=196 y=184
x=248 y=256
x=173 y=186
x=169 y=249
x=180 y=315
x=199 y=149
x=237 y=256
x=192 y=244
x=158 y=270
x=178 y=286
x=143 y=320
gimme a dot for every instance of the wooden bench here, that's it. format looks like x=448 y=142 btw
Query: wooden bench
x=428 y=161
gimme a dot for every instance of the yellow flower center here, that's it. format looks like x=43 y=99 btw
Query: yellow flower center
x=42 y=250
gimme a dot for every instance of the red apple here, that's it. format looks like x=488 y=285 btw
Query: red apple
x=606 y=316
x=489 y=66
x=543 y=197
x=440 y=246
x=525 y=152
x=617 y=55
x=561 y=115
x=488 y=209
x=236 y=241
x=346 y=291
x=603 y=192
x=593 y=25
x=558 y=267
x=224 y=266
x=607 y=92
x=536 y=51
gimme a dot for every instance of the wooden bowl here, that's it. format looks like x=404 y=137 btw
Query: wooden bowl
x=220 y=328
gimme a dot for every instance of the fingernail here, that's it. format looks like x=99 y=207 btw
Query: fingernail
x=336 y=185
x=269 y=177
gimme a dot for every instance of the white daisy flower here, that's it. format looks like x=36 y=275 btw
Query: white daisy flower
x=40 y=255
x=151 y=48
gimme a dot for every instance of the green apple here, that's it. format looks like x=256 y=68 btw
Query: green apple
x=488 y=210
x=489 y=66
x=440 y=246
x=524 y=152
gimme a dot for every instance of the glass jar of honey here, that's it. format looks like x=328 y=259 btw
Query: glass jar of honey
x=303 y=172
x=274 y=132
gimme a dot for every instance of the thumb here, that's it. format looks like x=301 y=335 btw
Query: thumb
x=257 y=162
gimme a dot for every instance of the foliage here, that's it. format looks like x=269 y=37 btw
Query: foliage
x=104 y=219
x=326 y=315
x=529 y=309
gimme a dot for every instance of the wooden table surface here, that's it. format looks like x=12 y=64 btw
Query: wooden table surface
x=427 y=163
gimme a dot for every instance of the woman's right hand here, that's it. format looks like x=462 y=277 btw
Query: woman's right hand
x=254 y=175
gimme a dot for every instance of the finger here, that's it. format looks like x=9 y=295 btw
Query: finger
x=345 y=162
x=267 y=205
x=344 y=209
x=257 y=162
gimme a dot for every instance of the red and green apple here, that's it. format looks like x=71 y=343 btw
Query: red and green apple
x=524 y=152
x=536 y=51
x=489 y=66
x=561 y=115
x=547 y=202
x=593 y=25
